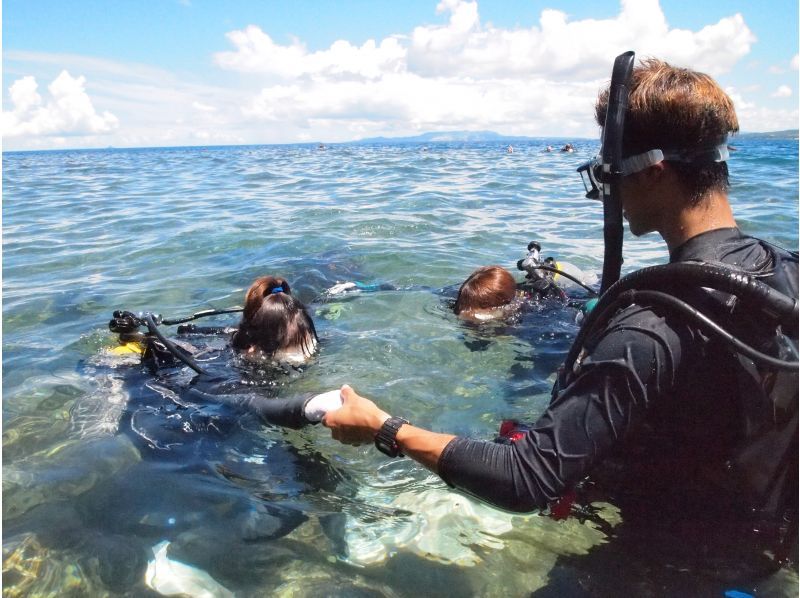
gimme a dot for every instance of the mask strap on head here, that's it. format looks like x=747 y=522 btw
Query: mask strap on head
x=637 y=163
x=276 y=290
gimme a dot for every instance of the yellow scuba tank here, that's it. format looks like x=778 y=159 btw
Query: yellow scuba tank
x=127 y=348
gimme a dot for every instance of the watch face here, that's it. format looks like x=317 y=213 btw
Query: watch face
x=385 y=439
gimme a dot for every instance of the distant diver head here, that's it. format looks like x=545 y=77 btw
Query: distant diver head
x=487 y=288
x=274 y=321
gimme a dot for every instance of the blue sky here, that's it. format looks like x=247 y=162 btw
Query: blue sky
x=91 y=73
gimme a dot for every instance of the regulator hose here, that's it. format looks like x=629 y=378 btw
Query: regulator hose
x=565 y=275
x=687 y=274
x=202 y=314
x=153 y=329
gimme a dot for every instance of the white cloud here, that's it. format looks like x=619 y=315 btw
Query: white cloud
x=753 y=117
x=559 y=47
x=257 y=53
x=539 y=80
x=795 y=61
x=784 y=91
x=203 y=107
x=466 y=74
x=68 y=111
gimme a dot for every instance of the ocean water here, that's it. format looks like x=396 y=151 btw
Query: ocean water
x=113 y=486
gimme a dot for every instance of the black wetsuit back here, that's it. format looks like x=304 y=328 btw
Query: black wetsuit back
x=657 y=413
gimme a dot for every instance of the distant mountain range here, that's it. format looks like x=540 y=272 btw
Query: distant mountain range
x=484 y=136
x=787 y=134
x=452 y=136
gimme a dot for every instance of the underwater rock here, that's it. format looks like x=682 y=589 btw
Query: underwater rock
x=443 y=526
x=69 y=469
x=29 y=569
x=118 y=561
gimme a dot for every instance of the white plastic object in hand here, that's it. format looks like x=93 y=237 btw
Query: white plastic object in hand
x=320 y=404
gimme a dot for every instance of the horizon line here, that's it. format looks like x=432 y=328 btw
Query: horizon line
x=409 y=139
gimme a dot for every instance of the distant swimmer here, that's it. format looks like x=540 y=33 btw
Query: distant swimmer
x=549 y=148
x=510 y=149
x=568 y=148
x=321 y=146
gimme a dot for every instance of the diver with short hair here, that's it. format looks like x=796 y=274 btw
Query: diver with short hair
x=491 y=292
x=679 y=397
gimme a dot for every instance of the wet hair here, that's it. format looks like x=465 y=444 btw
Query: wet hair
x=672 y=108
x=485 y=288
x=274 y=320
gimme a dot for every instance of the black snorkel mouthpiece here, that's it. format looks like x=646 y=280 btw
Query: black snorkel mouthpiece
x=609 y=171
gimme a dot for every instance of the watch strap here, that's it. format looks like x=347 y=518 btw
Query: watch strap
x=386 y=438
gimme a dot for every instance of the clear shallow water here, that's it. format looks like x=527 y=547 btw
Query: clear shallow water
x=259 y=509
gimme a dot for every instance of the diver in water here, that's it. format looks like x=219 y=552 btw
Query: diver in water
x=214 y=481
x=678 y=398
x=490 y=292
x=275 y=332
x=275 y=325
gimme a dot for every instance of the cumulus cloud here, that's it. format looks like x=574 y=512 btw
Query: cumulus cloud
x=456 y=73
x=464 y=47
x=257 y=53
x=67 y=112
x=467 y=73
x=203 y=107
x=753 y=117
x=784 y=91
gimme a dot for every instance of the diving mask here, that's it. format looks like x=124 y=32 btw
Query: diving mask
x=593 y=174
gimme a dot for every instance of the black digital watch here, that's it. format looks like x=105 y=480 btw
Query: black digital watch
x=386 y=438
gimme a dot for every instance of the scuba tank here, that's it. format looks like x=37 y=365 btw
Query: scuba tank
x=548 y=273
x=568 y=276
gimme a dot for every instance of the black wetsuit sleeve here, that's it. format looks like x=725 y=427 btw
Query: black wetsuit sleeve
x=632 y=365
x=288 y=413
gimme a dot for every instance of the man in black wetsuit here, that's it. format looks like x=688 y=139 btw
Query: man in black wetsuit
x=655 y=410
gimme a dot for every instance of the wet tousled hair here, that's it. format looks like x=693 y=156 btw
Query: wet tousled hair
x=486 y=288
x=274 y=320
x=672 y=108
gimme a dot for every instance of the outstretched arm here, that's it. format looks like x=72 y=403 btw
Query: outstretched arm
x=359 y=420
x=293 y=412
x=608 y=399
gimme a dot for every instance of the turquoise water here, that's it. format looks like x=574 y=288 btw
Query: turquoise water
x=257 y=510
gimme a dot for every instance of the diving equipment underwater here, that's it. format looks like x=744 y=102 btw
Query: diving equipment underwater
x=159 y=352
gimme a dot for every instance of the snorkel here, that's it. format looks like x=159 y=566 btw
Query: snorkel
x=604 y=175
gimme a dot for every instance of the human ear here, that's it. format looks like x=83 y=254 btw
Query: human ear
x=653 y=176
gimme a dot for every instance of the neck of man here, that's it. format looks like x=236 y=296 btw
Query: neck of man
x=710 y=213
